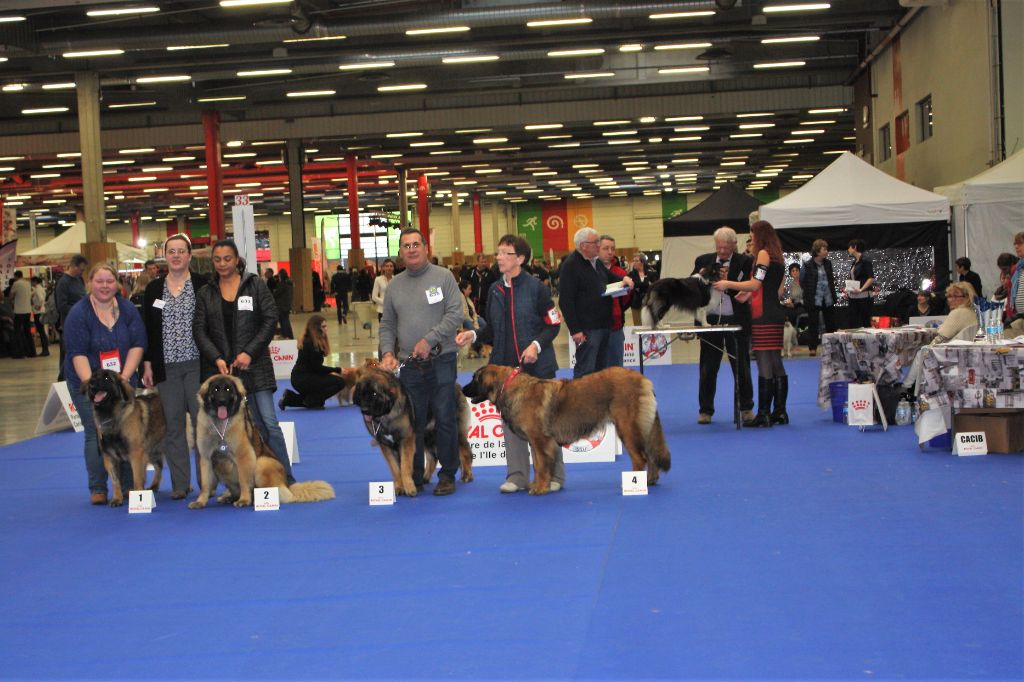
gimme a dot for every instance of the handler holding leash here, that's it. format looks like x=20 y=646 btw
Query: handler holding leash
x=522 y=322
x=423 y=308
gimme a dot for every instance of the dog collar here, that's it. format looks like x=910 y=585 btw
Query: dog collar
x=515 y=372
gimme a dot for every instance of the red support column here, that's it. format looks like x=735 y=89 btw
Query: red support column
x=214 y=174
x=353 y=199
x=423 y=207
x=135 y=227
x=478 y=227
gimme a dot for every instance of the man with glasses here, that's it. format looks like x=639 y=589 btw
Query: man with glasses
x=585 y=308
x=423 y=311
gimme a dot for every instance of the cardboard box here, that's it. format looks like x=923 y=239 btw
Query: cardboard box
x=1004 y=429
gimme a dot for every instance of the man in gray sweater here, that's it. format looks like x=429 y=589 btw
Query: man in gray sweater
x=423 y=310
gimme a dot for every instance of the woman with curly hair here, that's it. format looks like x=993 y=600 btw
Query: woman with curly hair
x=768 y=318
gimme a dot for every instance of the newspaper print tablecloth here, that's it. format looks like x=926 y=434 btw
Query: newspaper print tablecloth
x=975 y=375
x=878 y=353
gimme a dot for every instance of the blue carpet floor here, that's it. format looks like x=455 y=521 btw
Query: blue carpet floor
x=802 y=552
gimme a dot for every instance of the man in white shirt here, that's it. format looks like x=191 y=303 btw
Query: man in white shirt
x=22 y=344
x=38 y=312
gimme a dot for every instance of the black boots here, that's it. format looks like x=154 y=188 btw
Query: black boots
x=289 y=399
x=765 y=393
x=779 y=415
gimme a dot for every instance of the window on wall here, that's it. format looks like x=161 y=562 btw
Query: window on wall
x=924 y=119
x=902 y=132
x=884 y=143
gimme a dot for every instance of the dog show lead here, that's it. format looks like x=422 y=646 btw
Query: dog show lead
x=234 y=324
x=102 y=331
x=521 y=324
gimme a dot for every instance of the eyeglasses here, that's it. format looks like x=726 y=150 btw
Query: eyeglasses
x=955 y=296
x=177 y=252
x=505 y=253
x=411 y=245
x=592 y=242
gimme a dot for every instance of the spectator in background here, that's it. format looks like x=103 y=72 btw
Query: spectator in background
x=1005 y=263
x=380 y=285
x=963 y=268
x=926 y=305
x=617 y=338
x=587 y=311
x=364 y=283
x=284 y=297
x=313 y=381
x=70 y=290
x=1015 y=302
x=642 y=280
x=482 y=279
x=38 y=313
x=794 y=303
x=152 y=270
x=271 y=281
x=818 y=283
x=318 y=292
x=341 y=285
x=863 y=273
x=21 y=299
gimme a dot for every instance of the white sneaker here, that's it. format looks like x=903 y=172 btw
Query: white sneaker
x=509 y=487
x=554 y=487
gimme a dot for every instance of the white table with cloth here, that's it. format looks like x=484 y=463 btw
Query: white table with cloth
x=964 y=374
x=880 y=354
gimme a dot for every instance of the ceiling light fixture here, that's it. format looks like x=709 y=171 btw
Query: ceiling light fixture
x=583 y=52
x=542 y=126
x=312 y=93
x=177 y=48
x=365 y=65
x=314 y=40
x=164 y=79
x=121 y=11
x=129 y=105
x=631 y=47
x=681 y=15
x=779 y=65
x=44 y=110
x=833 y=110
x=252 y=3
x=682 y=46
x=684 y=69
x=595 y=74
x=93 y=53
x=399 y=88
x=470 y=59
x=233 y=98
x=438 y=29
x=793 y=39
x=263 y=72
x=802 y=7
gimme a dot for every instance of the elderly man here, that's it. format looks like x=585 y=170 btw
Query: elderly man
x=726 y=308
x=423 y=311
x=586 y=310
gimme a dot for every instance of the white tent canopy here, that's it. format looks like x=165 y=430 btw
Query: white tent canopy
x=71 y=240
x=850 y=191
x=988 y=210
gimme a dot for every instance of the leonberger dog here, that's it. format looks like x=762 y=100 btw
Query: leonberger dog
x=550 y=413
x=388 y=415
x=232 y=451
x=130 y=429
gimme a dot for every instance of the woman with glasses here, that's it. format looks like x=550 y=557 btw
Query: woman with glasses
x=234 y=324
x=171 y=361
x=313 y=382
x=961 y=323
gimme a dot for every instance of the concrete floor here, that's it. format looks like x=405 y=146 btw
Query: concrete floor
x=25 y=383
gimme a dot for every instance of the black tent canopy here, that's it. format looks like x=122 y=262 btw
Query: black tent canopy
x=729 y=205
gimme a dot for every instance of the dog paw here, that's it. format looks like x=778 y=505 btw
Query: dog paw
x=197 y=504
x=466 y=478
x=225 y=498
x=242 y=503
x=116 y=502
x=536 y=489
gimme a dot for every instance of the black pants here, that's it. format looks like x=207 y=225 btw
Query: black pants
x=738 y=346
x=829 y=314
x=285 y=322
x=316 y=389
x=860 y=309
x=22 y=344
x=41 y=331
x=341 y=303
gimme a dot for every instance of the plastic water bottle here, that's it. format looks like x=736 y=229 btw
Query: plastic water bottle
x=846 y=414
x=902 y=412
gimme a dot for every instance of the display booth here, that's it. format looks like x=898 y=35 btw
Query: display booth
x=905 y=228
x=689 y=235
x=987 y=210
x=58 y=251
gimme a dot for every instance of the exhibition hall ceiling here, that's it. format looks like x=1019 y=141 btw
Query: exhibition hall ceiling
x=514 y=100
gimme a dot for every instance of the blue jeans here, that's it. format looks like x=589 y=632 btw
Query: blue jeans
x=592 y=356
x=93 y=459
x=261 y=406
x=431 y=388
x=616 y=339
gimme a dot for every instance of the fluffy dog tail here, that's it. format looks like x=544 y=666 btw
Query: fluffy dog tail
x=657 y=449
x=308 y=491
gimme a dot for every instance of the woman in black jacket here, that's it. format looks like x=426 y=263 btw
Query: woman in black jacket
x=313 y=381
x=284 y=296
x=171 y=360
x=234 y=324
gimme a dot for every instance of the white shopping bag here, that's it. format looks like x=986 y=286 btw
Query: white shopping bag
x=861 y=407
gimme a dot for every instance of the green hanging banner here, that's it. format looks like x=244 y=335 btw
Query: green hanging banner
x=530 y=226
x=672 y=205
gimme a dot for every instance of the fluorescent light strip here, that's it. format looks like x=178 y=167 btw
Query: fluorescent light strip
x=595 y=74
x=365 y=65
x=612 y=133
x=45 y=110
x=833 y=110
x=93 y=53
x=399 y=88
x=176 y=48
x=541 y=23
x=163 y=79
x=58 y=86
x=233 y=98
x=470 y=59
x=673 y=119
x=691 y=129
x=612 y=123
x=542 y=126
x=684 y=69
x=128 y=105
x=803 y=7
x=263 y=72
x=816 y=123
x=794 y=39
x=755 y=115
x=121 y=10
x=738 y=135
x=490 y=140
x=681 y=15
x=576 y=53
x=779 y=65
x=433 y=143
x=682 y=46
x=631 y=47
x=314 y=40
x=752 y=126
x=11 y=19
x=252 y=3
x=439 y=29
x=312 y=93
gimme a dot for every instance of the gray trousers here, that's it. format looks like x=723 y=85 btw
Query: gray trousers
x=178 y=395
x=517 y=458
